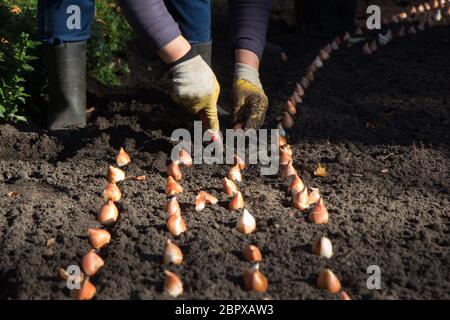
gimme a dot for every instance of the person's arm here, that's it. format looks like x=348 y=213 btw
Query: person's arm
x=153 y=23
x=249 y=21
x=189 y=81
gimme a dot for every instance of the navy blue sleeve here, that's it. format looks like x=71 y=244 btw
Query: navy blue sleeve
x=151 y=21
x=249 y=21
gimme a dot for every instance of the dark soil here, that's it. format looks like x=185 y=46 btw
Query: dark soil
x=381 y=125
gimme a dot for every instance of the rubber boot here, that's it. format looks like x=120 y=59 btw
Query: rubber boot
x=204 y=50
x=66 y=67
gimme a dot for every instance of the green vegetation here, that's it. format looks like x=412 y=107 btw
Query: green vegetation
x=19 y=52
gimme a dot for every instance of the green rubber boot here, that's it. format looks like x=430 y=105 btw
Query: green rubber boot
x=66 y=67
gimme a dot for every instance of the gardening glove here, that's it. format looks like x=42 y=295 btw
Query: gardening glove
x=249 y=100
x=193 y=85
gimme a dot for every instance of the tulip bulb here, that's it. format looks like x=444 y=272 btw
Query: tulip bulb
x=172 y=253
x=295 y=98
x=318 y=62
x=288 y=170
x=285 y=156
x=112 y=192
x=246 y=223
x=281 y=129
x=427 y=6
x=237 y=202
x=202 y=199
x=312 y=67
x=115 y=174
x=238 y=126
x=240 y=162
x=403 y=15
x=314 y=195
x=389 y=35
x=338 y=40
x=255 y=279
x=172 y=284
x=296 y=185
x=319 y=214
x=287 y=120
x=334 y=45
x=413 y=10
x=235 y=173
x=91 y=263
x=324 y=55
x=290 y=108
x=438 y=15
x=173 y=170
x=300 y=200
x=323 y=248
x=251 y=253
x=344 y=295
x=173 y=207
x=327 y=280
x=99 y=238
x=173 y=187
x=366 y=50
x=176 y=225
x=108 y=213
x=346 y=36
x=122 y=158
x=412 y=30
x=304 y=83
x=86 y=292
x=282 y=141
x=299 y=90
x=328 y=49
x=359 y=32
x=421 y=8
x=310 y=76
x=185 y=158
x=229 y=187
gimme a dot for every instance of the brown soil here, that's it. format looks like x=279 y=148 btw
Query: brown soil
x=381 y=125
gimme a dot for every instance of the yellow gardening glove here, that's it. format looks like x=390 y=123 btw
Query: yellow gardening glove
x=193 y=85
x=249 y=100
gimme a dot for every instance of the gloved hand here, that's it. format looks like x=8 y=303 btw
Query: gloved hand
x=193 y=85
x=249 y=100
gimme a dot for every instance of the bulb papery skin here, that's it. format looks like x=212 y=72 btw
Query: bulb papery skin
x=246 y=223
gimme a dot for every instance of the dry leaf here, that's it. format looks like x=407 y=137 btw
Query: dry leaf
x=12 y=194
x=321 y=171
x=51 y=242
x=138 y=178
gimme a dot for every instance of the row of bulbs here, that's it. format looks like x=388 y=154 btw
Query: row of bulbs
x=98 y=238
x=301 y=198
x=420 y=17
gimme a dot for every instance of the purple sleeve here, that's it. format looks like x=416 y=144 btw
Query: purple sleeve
x=151 y=21
x=249 y=21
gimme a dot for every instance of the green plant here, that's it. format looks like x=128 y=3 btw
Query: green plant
x=110 y=35
x=15 y=63
x=17 y=56
x=18 y=25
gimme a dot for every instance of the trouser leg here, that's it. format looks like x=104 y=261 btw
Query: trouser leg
x=194 y=19
x=64 y=27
